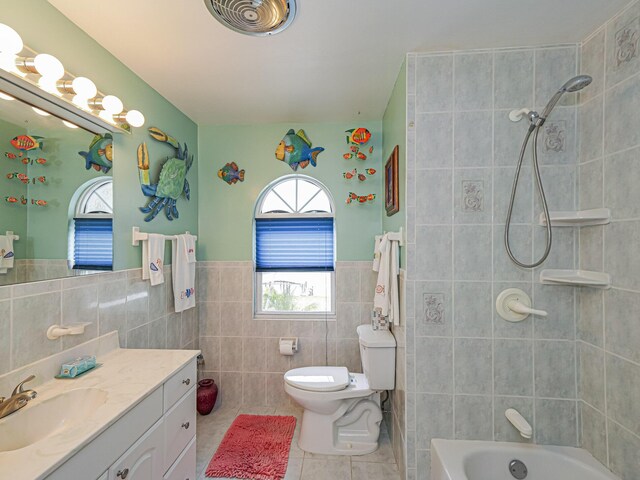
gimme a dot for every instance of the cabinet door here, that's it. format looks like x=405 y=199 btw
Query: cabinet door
x=143 y=461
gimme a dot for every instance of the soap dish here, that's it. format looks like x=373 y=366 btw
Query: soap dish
x=60 y=377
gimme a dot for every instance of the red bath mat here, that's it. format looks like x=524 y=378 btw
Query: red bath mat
x=255 y=447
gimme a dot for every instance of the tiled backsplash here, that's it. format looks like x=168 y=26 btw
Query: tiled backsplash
x=608 y=327
x=243 y=352
x=465 y=365
x=122 y=301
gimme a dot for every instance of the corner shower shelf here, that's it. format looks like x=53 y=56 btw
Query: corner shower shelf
x=578 y=278
x=581 y=218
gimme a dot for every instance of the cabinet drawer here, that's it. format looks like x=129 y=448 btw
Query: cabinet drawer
x=185 y=466
x=179 y=384
x=179 y=427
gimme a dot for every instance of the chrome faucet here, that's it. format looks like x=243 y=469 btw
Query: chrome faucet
x=18 y=399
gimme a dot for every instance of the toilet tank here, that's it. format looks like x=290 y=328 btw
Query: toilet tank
x=378 y=356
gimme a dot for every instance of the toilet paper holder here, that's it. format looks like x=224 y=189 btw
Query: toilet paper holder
x=293 y=341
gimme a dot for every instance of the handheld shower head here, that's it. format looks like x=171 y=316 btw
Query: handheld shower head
x=572 y=85
x=576 y=83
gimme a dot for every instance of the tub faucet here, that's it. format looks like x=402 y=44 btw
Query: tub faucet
x=518 y=421
x=18 y=399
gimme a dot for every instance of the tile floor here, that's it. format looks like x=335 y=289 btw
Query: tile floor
x=379 y=465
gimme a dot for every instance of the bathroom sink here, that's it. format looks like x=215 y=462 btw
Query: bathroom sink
x=40 y=420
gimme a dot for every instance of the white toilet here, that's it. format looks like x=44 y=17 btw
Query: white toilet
x=342 y=410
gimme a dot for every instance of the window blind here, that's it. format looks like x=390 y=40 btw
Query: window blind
x=294 y=244
x=93 y=243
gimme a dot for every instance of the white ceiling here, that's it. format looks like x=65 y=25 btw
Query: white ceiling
x=337 y=62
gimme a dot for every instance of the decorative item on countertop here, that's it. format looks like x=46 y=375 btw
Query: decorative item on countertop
x=354 y=197
x=295 y=150
x=27 y=142
x=100 y=154
x=231 y=174
x=172 y=182
x=206 y=396
x=77 y=366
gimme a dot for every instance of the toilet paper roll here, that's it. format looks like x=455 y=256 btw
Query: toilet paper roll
x=286 y=347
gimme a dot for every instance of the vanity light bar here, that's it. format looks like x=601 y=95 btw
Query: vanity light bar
x=47 y=73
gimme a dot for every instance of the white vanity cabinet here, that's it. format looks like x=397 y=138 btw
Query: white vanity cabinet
x=152 y=441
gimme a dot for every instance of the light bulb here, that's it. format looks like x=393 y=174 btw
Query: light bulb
x=48 y=66
x=8 y=63
x=112 y=104
x=84 y=88
x=81 y=102
x=69 y=124
x=135 y=118
x=49 y=84
x=40 y=112
x=10 y=41
x=4 y=96
x=106 y=116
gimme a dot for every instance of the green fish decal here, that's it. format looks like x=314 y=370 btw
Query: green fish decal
x=231 y=174
x=295 y=150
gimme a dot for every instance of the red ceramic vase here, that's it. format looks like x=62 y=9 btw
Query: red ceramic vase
x=207 y=395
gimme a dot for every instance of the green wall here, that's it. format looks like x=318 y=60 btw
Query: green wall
x=46 y=30
x=394 y=133
x=226 y=211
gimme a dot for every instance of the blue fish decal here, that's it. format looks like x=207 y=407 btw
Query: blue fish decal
x=100 y=154
x=8 y=255
x=153 y=267
x=295 y=150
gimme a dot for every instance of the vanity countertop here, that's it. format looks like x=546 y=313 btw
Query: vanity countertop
x=127 y=376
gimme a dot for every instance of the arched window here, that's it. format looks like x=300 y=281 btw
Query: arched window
x=294 y=249
x=91 y=239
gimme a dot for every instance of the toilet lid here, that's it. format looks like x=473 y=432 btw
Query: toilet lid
x=318 y=379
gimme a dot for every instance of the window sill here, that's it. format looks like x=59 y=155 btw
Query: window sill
x=298 y=317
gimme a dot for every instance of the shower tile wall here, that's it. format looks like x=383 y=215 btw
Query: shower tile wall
x=243 y=353
x=465 y=364
x=609 y=174
x=143 y=315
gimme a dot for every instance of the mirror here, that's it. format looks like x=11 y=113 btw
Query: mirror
x=55 y=196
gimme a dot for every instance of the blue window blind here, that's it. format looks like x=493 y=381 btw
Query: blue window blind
x=93 y=243
x=294 y=244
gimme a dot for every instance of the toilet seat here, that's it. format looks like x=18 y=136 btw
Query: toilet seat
x=318 y=379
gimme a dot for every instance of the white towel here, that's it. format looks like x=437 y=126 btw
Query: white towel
x=183 y=274
x=6 y=253
x=386 y=298
x=152 y=258
x=376 y=253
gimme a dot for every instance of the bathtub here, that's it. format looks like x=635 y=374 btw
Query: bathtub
x=479 y=460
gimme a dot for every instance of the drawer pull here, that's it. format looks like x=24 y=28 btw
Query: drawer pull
x=123 y=473
x=185 y=425
x=187 y=381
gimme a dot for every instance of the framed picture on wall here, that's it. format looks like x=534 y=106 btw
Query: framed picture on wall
x=391 y=195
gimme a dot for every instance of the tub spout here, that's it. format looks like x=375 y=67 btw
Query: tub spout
x=519 y=422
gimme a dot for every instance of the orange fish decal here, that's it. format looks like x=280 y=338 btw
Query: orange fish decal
x=11 y=199
x=362 y=156
x=347 y=156
x=361 y=177
x=27 y=142
x=354 y=149
x=350 y=175
x=39 y=203
x=10 y=155
x=41 y=161
x=370 y=171
x=358 y=136
x=371 y=149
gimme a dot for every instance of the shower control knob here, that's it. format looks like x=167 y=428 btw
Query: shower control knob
x=514 y=305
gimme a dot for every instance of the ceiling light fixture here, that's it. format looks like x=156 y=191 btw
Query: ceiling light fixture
x=69 y=124
x=46 y=72
x=42 y=113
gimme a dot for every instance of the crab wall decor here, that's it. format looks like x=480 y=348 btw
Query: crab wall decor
x=172 y=180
